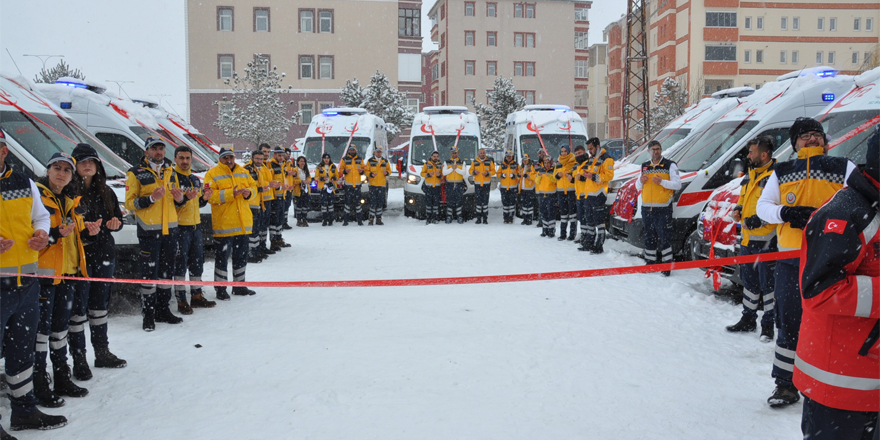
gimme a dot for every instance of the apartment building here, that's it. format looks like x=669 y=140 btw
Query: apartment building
x=596 y=99
x=319 y=44
x=615 y=34
x=541 y=44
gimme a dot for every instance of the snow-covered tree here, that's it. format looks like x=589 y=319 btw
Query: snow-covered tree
x=669 y=103
x=254 y=112
x=503 y=100
x=61 y=70
x=382 y=100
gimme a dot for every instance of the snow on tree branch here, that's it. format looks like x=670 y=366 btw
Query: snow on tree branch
x=61 y=70
x=503 y=100
x=380 y=99
x=669 y=103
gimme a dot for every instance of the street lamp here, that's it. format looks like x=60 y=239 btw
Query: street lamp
x=44 y=58
x=119 y=84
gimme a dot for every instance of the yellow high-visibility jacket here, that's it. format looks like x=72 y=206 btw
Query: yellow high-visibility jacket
x=230 y=213
x=140 y=182
x=326 y=175
x=433 y=173
x=508 y=174
x=64 y=255
x=483 y=170
x=377 y=171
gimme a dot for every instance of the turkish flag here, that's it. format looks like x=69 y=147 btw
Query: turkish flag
x=834 y=225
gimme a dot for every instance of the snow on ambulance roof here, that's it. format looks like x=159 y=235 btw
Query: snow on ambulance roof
x=871 y=76
x=65 y=92
x=548 y=115
x=442 y=121
x=819 y=71
x=343 y=111
x=15 y=92
x=735 y=92
x=547 y=107
x=340 y=121
x=445 y=109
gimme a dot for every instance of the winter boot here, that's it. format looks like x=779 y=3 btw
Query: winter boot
x=165 y=315
x=479 y=219
x=64 y=386
x=283 y=243
x=586 y=243
x=371 y=221
x=46 y=397
x=149 y=312
x=783 y=396
x=222 y=295
x=240 y=291
x=551 y=232
x=183 y=308
x=253 y=259
x=597 y=249
x=286 y=226
x=573 y=231
x=379 y=221
x=666 y=273
x=324 y=222
x=269 y=251
x=199 y=301
x=36 y=420
x=562 y=231
x=525 y=221
x=5 y=435
x=105 y=359
x=485 y=219
x=767 y=333
x=81 y=370
x=276 y=246
x=544 y=232
x=745 y=324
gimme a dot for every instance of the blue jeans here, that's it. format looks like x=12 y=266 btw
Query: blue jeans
x=19 y=317
x=91 y=298
x=55 y=303
x=758 y=282
x=190 y=256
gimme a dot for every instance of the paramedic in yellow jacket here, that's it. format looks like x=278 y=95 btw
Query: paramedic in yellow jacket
x=190 y=251
x=566 y=199
x=232 y=188
x=152 y=193
x=352 y=168
x=24 y=231
x=757 y=238
x=64 y=256
x=301 y=191
x=508 y=179
x=279 y=184
x=455 y=171
x=658 y=180
x=482 y=168
x=291 y=179
x=326 y=176
x=259 y=173
x=526 y=191
x=792 y=192
x=545 y=187
x=377 y=169
x=432 y=172
x=594 y=174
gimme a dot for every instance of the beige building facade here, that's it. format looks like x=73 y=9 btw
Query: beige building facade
x=541 y=45
x=318 y=44
x=596 y=98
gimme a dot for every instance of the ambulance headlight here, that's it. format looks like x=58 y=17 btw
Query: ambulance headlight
x=412 y=179
x=363 y=178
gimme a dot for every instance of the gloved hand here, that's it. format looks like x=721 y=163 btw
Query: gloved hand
x=796 y=216
x=753 y=222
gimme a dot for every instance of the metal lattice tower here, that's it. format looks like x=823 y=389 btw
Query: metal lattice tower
x=635 y=70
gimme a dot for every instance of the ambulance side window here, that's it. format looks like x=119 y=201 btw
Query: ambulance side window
x=18 y=166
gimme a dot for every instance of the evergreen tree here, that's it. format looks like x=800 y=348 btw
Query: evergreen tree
x=670 y=102
x=254 y=113
x=352 y=94
x=382 y=100
x=61 y=70
x=503 y=100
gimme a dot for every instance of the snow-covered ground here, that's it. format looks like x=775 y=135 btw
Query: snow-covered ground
x=626 y=357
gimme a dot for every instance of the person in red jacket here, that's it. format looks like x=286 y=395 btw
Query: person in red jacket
x=836 y=365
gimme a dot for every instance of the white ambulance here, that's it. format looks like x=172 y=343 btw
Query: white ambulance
x=543 y=127
x=178 y=130
x=438 y=129
x=35 y=129
x=332 y=132
x=717 y=156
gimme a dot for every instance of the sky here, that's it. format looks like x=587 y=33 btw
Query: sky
x=141 y=44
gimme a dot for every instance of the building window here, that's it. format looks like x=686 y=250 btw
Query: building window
x=747 y=56
x=783 y=23
x=831 y=58
x=306 y=67
x=721 y=19
x=795 y=23
x=783 y=57
x=759 y=23
x=581 y=14
x=470 y=67
x=491 y=38
x=759 y=56
x=261 y=19
x=795 y=57
x=492 y=68
x=442 y=40
x=469 y=38
x=867 y=58
x=325 y=22
x=435 y=71
x=306 y=112
x=581 y=69
x=225 y=66
x=819 y=57
x=517 y=39
x=408 y=23
x=820 y=24
x=855 y=58
x=306 y=20
x=522 y=39
x=580 y=40
x=524 y=68
x=518 y=10
x=469 y=8
x=325 y=67
x=530 y=69
x=413 y=104
x=224 y=19
x=832 y=24
x=263 y=62
x=715 y=85
x=720 y=53
x=517 y=69
x=869 y=24
x=857 y=24
x=443 y=69
x=530 y=10
x=529 y=95
x=469 y=96
x=491 y=9
x=324 y=106
x=224 y=107
x=748 y=23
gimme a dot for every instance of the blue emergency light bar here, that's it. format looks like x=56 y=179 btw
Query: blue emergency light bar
x=66 y=106
x=560 y=109
x=828 y=97
x=330 y=113
x=71 y=84
x=826 y=73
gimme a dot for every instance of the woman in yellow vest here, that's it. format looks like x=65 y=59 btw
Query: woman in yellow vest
x=326 y=175
x=565 y=193
x=526 y=187
x=301 y=191
x=63 y=256
x=545 y=187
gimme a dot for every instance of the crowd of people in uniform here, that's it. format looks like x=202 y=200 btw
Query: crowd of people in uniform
x=62 y=226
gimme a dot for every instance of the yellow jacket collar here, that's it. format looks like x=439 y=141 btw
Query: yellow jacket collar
x=808 y=152
x=185 y=173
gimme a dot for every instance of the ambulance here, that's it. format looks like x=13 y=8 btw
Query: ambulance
x=438 y=129
x=332 y=132
x=35 y=129
x=848 y=123
x=179 y=131
x=543 y=127
x=119 y=123
x=717 y=155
